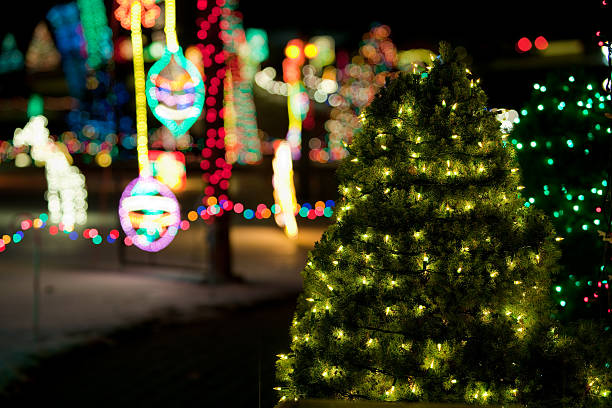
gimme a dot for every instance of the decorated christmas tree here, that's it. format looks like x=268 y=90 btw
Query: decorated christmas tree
x=562 y=140
x=11 y=59
x=434 y=282
x=42 y=54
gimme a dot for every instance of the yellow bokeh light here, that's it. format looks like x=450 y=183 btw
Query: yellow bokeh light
x=311 y=51
x=192 y=216
x=103 y=159
x=170 y=171
x=292 y=51
x=284 y=190
x=142 y=146
x=211 y=201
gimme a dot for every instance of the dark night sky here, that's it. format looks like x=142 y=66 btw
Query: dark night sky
x=488 y=30
x=478 y=24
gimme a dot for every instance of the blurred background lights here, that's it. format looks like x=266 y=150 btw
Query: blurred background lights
x=66 y=194
x=311 y=51
x=523 y=45
x=541 y=43
x=292 y=51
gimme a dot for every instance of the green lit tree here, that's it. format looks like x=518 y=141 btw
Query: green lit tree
x=433 y=284
x=563 y=151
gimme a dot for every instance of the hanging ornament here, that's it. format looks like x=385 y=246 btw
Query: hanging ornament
x=175 y=90
x=148 y=211
x=149 y=214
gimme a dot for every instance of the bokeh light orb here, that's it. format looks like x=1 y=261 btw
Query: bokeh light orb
x=541 y=43
x=292 y=51
x=149 y=214
x=524 y=44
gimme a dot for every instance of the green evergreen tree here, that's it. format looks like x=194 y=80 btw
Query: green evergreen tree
x=433 y=283
x=562 y=140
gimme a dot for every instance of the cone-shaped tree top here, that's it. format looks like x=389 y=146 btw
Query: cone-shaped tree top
x=433 y=283
x=42 y=54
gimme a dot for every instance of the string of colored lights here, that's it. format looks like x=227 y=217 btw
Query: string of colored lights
x=96 y=117
x=261 y=212
x=98 y=34
x=232 y=145
x=591 y=102
x=567 y=178
x=606 y=45
x=216 y=170
x=66 y=24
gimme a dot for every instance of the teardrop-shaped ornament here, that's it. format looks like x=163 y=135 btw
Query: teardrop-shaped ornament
x=175 y=91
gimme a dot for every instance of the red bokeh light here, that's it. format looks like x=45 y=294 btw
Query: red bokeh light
x=524 y=44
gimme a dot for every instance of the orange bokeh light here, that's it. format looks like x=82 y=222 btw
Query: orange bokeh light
x=541 y=43
x=150 y=12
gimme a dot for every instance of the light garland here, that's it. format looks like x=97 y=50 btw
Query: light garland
x=575 y=205
x=216 y=170
x=148 y=211
x=98 y=34
x=261 y=212
x=70 y=42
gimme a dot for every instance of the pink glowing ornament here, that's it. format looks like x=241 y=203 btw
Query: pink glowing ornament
x=149 y=214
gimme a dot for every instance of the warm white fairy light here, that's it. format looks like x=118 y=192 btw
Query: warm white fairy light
x=284 y=190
